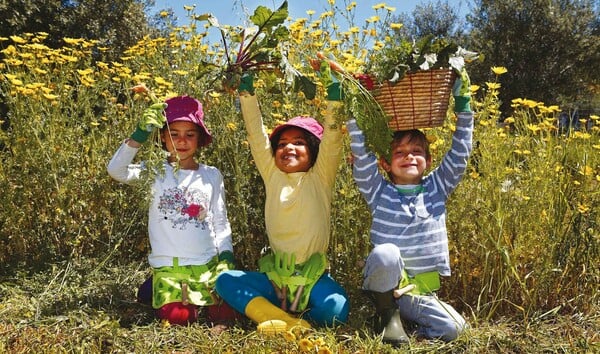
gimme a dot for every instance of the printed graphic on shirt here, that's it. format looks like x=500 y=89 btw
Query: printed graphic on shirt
x=184 y=207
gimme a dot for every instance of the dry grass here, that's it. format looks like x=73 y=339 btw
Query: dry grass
x=85 y=308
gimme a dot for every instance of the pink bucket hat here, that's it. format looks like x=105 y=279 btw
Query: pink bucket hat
x=187 y=109
x=307 y=123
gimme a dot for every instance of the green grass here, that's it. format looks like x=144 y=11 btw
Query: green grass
x=84 y=307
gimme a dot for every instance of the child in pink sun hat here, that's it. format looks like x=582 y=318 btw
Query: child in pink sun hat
x=188 y=227
x=298 y=163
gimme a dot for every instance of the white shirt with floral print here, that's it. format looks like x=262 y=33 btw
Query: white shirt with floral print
x=187 y=217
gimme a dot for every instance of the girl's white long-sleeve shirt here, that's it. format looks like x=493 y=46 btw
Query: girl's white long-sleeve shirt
x=187 y=217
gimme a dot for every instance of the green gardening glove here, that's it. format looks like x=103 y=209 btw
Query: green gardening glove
x=246 y=83
x=227 y=256
x=153 y=117
x=330 y=80
x=328 y=71
x=462 y=92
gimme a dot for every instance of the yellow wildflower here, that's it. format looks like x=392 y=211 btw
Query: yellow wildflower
x=316 y=33
x=72 y=40
x=319 y=342
x=499 y=70
x=381 y=5
x=396 y=25
x=289 y=336
x=586 y=171
x=50 y=97
x=18 y=39
x=305 y=345
x=87 y=71
x=583 y=208
x=493 y=85
x=582 y=135
x=232 y=126
x=326 y=14
x=324 y=350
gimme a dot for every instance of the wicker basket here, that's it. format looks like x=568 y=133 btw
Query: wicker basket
x=419 y=100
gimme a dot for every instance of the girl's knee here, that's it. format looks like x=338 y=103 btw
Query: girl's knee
x=225 y=279
x=328 y=303
x=333 y=310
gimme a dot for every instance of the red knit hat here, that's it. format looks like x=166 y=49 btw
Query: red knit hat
x=187 y=109
x=307 y=123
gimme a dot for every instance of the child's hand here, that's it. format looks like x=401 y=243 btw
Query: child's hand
x=462 y=92
x=462 y=85
x=227 y=256
x=153 y=117
x=246 y=83
x=329 y=71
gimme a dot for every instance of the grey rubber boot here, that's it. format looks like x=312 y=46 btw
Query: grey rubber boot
x=388 y=321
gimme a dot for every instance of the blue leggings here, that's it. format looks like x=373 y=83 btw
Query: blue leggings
x=327 y=305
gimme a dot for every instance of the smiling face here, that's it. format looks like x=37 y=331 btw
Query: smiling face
x=409 y=160
x=292 y=153
x=182 y=139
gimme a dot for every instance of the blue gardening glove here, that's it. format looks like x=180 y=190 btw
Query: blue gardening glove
x=246 y=83
x=462 y=92
x=153 y=117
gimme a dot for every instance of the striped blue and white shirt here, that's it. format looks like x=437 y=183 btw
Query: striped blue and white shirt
x=415 y=222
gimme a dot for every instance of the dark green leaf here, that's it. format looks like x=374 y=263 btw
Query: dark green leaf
x=265 y=18
x=306 y=86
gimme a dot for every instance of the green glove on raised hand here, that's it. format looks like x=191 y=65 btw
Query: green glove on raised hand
x=246 y=83
x=328 y=71
x=153 y=117
x=462 y=92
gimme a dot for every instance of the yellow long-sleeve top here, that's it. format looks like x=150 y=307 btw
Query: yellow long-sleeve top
x=298 y=205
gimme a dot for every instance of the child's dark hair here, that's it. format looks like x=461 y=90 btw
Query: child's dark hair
x=414 y=135
x=312 y=141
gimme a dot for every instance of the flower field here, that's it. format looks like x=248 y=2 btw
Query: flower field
x=524 y=224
